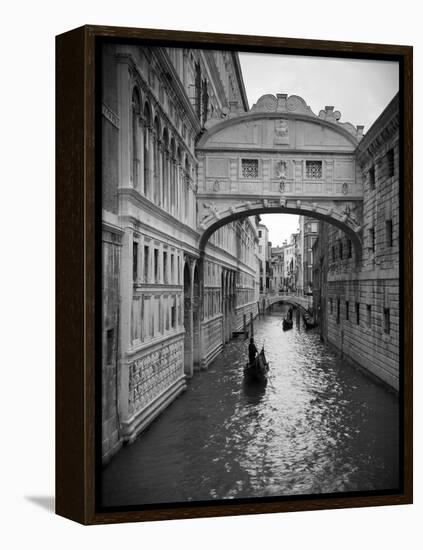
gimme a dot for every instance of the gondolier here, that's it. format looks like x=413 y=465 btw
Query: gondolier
x=252 y=351
x=256 y=370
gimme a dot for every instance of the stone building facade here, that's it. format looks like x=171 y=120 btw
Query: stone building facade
x=263 y=234
x=278 y=273
x=159 y=323
x=308 y=231
x=358 y=297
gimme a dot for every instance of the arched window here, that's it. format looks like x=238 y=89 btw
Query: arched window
x=147 y=151
x=187 y=188
x=165 y=168
x=179 y=183
x=157 y=163
x=135 y=145
x=172 y=176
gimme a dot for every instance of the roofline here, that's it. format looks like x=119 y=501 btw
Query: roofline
x=390 y=111
x=238 y=70
x=274 y=115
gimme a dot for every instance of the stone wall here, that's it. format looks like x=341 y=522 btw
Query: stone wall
x=161 y=323
x=360 y=303
x=110 y=376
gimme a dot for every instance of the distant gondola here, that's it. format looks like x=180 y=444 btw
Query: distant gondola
x=309 y=320
x=258 y=370
x=287 y=324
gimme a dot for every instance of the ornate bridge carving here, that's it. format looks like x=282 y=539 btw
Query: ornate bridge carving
x=280 y=158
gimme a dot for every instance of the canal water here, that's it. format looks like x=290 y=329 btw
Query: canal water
x=318 y=426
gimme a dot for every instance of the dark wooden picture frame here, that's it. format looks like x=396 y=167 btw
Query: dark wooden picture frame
x=77 y=214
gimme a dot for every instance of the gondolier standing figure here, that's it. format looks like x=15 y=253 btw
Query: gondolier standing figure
x=252 y=351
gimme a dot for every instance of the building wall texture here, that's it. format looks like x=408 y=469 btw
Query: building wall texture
x=160 y=324
x=169 y=307
x=358 y=297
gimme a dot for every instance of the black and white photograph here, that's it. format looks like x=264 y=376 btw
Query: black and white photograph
x=251 y=275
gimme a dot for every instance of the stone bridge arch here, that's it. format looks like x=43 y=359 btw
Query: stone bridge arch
x=280 y=157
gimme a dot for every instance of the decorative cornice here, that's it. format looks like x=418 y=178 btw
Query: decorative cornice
x=253 y=115
x=282 y=103
x=178 y=88
x=383 y=129
x=142 y=82
x=216 y=78
x=148 y=205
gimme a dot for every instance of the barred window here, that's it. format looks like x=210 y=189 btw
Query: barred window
x=249 y=168
x=372 y=239
x=372 y=178
x=314 y=169
x=389 y=234
x=369 y=315
x=391 y=163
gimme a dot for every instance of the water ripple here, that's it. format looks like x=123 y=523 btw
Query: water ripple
x=319 y=426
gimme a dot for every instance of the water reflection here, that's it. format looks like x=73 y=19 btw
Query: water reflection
x=316 y=426
x=253 y=391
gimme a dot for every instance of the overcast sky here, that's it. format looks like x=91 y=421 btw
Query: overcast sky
x=359 y=89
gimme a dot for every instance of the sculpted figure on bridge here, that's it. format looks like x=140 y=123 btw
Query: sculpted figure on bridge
x=281 y=132
x=281 y=172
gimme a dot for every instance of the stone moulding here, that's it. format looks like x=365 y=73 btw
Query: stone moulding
x=295 y=104
x=134 y=425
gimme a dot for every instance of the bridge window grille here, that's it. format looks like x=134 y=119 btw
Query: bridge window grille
x=314 y=169
x=249 y=168
x=338 y=310
x=347 y=310
x=357 y=313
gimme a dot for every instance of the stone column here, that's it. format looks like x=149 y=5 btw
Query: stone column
x=160 y=170
x=150 y=179
x=178 y=190
x=126 y=293
x=124 y=111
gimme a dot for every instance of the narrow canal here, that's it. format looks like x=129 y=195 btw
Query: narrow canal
x=319 y=426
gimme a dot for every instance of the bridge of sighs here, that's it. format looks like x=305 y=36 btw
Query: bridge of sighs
x=280 y=157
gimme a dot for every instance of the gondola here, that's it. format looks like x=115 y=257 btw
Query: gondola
x=287 y=324
x=258 y=370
